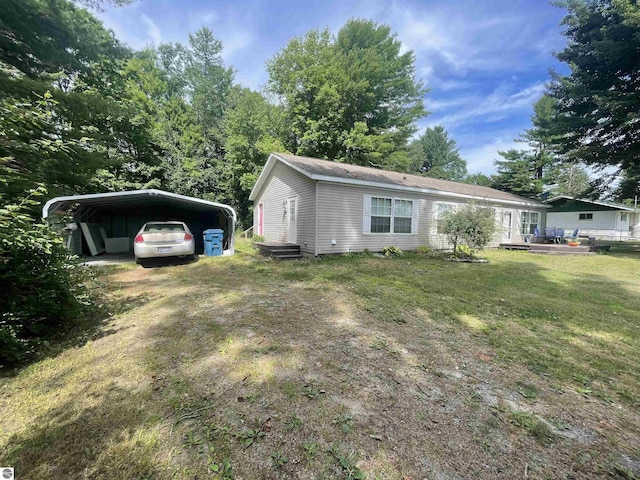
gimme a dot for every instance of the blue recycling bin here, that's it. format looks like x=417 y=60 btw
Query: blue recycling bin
x=213 y=242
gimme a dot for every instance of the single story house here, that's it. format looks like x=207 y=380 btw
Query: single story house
x=329 y=207
x=594 y=218
x=108 y=222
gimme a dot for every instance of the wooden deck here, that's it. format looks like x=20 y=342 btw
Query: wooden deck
x=555 y=249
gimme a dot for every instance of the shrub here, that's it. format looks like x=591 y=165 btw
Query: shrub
x=257 y=238
x=392 y=252
x=469 y=225
x=43 y=289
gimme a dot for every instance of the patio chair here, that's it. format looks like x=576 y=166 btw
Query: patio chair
x=560 y=235
x=574 y=235
x=550 y=234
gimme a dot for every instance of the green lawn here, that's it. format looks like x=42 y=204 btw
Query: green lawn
x=347 y=367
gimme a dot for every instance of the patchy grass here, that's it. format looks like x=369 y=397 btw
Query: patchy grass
x=346 y=367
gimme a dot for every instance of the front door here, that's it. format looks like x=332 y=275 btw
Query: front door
x=260 y=219
x=506 y=226
x=292 y=228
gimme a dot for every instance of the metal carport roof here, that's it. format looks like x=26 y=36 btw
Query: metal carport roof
x=132 y=199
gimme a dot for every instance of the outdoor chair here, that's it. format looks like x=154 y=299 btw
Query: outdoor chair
x=550 y=234
x=574 y=235
x=559 y=235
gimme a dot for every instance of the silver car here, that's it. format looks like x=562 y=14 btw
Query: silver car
x=164 y=239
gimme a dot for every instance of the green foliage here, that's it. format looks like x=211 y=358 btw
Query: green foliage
x=629 y=187
x=462 y=251
x=469 y=226
x=248 y=437
x=253 y=129
x=51 y=36
x=436 y=155
x=541 y=155
x=257 y=239
x=478 y=179
x=571 y=179
x=392 y=251
x=517 y=174
x=348 y=463
x=599 y=102
x=278 y=459
x=43 y=289
x=185 y=90
x=310 y=449
x=351 y=98
x=345 y=421
x=536 y=428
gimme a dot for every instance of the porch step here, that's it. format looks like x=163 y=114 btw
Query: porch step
x=280 y=251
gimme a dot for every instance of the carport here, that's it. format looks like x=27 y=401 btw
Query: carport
x=113 y=219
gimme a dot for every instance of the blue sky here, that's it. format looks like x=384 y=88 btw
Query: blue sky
x=485 y=62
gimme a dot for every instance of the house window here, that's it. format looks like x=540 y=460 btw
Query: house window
x=529 y=222
x=389 y=215
x=381 y=215
x=402 y=214
x=585 y=216
x=623 y=217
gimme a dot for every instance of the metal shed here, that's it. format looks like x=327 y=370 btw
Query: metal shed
x=119 y=215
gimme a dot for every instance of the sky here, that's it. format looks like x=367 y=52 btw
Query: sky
x=485 y=62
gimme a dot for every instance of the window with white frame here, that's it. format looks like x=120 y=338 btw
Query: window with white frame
x=585 y=216
x=623 y=216
x=402 y=215
x=381 y=214
x=529 y=222
x=390 y=215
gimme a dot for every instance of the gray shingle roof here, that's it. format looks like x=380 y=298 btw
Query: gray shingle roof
x=315 y=167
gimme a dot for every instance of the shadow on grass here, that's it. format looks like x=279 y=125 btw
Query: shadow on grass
x=560 y=324
x=78 y=332
x=106 y=440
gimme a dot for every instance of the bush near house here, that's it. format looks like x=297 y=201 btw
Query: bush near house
x=43 y=289
x=469 y=228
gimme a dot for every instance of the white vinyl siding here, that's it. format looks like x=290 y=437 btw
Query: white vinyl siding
x=282 y=184
x=605 y=224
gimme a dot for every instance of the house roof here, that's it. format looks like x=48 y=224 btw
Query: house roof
x=133 y=199
x=613 y=206
x=325 y=170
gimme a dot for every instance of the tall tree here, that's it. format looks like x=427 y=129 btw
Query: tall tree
x=599 y=101
x=55 y=48
x=628 y=190
x=571 y=179
x=479 y=179
x=436 y=155
x=183 y=92
x=517 y=174
x=253 y=129
x=352 y=98
x=540 y=139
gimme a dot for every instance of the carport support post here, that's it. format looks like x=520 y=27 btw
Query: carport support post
x=232 y=235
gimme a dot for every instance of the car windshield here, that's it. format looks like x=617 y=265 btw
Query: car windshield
x=163 y=227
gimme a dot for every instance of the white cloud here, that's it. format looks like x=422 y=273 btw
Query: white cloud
x=500 y=101
x=153 y=31
x=480 y=158
x=238 y=40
